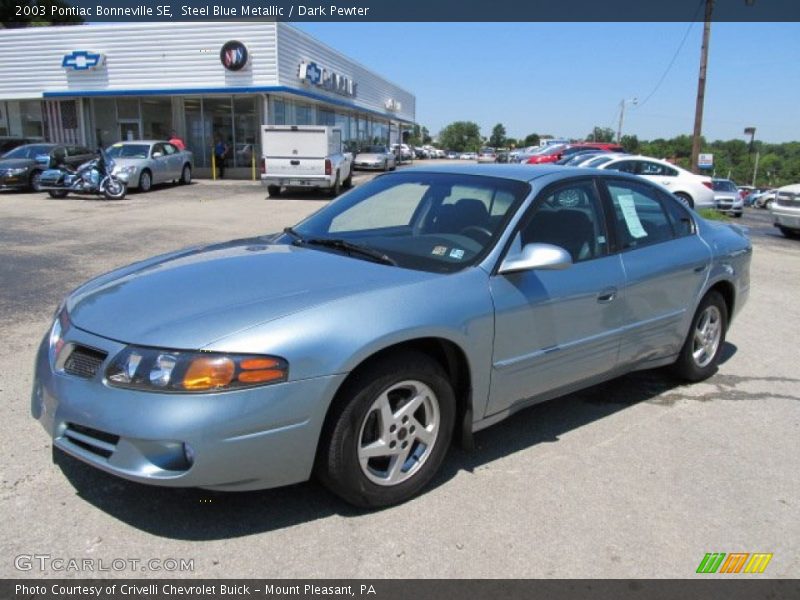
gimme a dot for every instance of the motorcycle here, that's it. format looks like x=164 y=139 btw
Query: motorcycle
x=92 y=177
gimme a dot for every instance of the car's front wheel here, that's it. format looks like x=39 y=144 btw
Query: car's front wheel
x=685 y=198
x=388 y=431
x=700 y=353
x=145 y=181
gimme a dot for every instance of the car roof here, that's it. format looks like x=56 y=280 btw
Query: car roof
x=506 y=171
x=126 y=142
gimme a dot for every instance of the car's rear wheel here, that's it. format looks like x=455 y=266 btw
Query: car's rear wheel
x=274 y=191
x=790 y=233
x=348 y=183
x=186 y=175
x=145 y=181
x=388 y=431
x=685 y=198
x=700 y=353
x=336 y=188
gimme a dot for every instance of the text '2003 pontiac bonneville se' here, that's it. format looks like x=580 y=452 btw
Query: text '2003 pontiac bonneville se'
x=358 y=345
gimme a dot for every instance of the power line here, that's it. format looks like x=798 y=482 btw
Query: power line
x=674 y=56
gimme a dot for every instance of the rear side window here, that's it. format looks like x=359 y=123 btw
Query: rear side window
x=653 y=168
x=682 y=222
x=641 y=219
x=624 y=166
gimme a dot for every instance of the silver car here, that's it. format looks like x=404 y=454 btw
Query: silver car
x=148 y=162
x=409 y=313
x=785 y=210
x=375 y=157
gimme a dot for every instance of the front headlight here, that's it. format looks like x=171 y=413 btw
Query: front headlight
x=56 y=340
x=124 y=170
x=155 y=370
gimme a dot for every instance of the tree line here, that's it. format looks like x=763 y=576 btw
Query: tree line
x=778 y=164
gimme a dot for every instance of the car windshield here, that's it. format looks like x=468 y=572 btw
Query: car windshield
x=437 y=222
x=554 y=149
x=31 y=151
x=723 y=186
x=600 y=160
x=128 y=150
x=374 y=150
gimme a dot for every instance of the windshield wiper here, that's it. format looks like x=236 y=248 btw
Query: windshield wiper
x=293 y=233
x=348 y=247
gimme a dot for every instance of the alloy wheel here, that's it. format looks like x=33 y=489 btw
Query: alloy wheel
x=707 y=336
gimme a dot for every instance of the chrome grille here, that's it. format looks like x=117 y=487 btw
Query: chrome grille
x=84 y=362
x=94 y=441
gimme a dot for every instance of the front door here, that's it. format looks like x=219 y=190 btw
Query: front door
x=556 y=328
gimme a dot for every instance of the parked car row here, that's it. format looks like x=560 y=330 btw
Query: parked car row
x=140 y=164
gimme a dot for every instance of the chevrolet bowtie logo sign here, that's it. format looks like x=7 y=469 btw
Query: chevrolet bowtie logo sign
x=82 y=60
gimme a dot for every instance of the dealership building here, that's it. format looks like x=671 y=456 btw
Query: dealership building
x=95 y=85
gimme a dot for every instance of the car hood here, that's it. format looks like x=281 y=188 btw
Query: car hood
x=127 y=162
x=16 y=163
x=189 y=299
x=370 y=156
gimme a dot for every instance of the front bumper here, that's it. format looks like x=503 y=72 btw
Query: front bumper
x=241 y=440
x=14 y=182
x=786 y=217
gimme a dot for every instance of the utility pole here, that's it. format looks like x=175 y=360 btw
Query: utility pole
x=701 y=86
x=633 y=101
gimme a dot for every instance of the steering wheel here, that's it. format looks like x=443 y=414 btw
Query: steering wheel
x=473 y=229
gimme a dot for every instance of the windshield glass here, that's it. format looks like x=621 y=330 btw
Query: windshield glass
x=374 y=150
x=428 y=221
x=29 y=151
x=128 y=151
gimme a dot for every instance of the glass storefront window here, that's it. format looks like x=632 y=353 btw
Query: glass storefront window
x=325 y=117
x=246 y=130
x=30 y=112
x=128 y=108
x=278 y=112
x=196 y=131
x=302 y=113
x=106 y=129
x=156 y=118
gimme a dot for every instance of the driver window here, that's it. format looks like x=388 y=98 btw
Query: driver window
x=569 y=217
x=169 y=149
x=157 y=148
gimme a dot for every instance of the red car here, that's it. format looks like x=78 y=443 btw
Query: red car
x=560 y=151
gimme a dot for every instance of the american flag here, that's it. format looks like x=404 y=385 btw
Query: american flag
x=61 y=121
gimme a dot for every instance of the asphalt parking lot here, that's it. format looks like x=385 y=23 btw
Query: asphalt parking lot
x=639 y=477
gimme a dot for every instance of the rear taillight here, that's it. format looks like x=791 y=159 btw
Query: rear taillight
x=263 y=166
x=708 y=184
x=328 y=166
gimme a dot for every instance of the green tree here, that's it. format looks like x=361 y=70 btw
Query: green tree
x=630 y=143
x=532 y=139
x=498 y=137
x=601 y=134
x=461 y=136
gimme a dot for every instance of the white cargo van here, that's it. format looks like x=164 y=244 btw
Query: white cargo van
x=304 y=156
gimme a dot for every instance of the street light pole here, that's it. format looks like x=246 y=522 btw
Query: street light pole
x=701 y=87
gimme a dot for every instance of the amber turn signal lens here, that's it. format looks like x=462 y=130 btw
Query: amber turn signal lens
x=262 y=376
x=208 y=372
x=258 y=363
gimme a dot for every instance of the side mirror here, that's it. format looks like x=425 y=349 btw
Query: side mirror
x=537 y=256
x=158 y=154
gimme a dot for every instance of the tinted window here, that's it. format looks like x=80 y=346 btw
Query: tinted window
x=128 y=151
x=170 y=149
x=652 y=168
x=682 y=222
x=570 y=217
x=723 y=185
x=28 y=151
x=624 y=166
x=641 y=220
x=158 y=148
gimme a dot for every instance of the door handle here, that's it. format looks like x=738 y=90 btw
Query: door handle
x=607 y=295
x=294 y=163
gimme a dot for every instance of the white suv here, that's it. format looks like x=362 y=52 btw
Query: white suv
x=694 y=190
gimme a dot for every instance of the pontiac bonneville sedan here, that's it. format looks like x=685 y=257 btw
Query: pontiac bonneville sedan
x=359 y=344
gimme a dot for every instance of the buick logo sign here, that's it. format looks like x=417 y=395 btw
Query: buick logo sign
x=234 y=56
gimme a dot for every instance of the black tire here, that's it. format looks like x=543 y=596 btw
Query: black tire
x=336 y=188
x=186 y=174
x=685 y=198
x=35 y=181
x=790 y=233
x=348 y=183
x=737 y=215
x=114 y=189
x=687 y=367
x=58 y=193
x=145 y=181
x=273 y=191
x=338 y=465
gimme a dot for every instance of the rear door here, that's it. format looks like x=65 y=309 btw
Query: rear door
x=666 y=265
x=295 y=152
x=174 y=160
x=159 y=162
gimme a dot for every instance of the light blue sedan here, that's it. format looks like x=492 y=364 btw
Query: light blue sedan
x=360 y=344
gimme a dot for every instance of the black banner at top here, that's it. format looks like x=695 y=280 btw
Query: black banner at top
x=75 y=11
